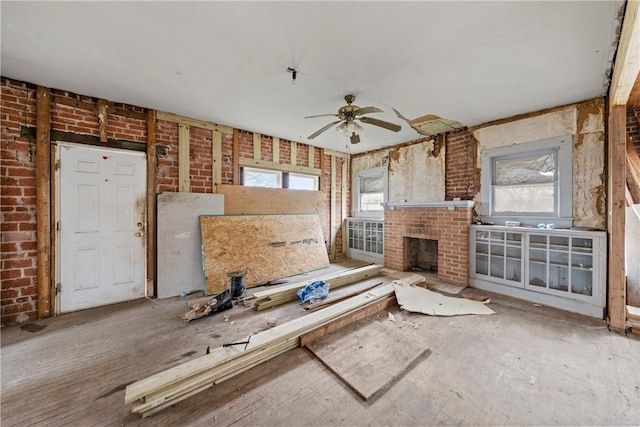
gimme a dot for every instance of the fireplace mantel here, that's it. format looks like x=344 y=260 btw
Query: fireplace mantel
x=450 y=204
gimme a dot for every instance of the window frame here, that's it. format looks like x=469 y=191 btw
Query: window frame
x=283 y=177
x=562 y=217
x=358 y=212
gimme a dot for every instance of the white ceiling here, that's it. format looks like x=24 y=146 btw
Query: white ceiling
x=226 y=62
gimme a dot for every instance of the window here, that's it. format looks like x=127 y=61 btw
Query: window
x=529 y=183
x=370 y=192
x=253 y=177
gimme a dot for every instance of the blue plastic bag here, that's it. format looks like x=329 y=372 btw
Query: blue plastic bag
x=314 y=291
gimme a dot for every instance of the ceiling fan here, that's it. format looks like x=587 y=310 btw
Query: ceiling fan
x=348 y=115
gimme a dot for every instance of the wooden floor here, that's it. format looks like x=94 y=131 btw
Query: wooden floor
x=524 y=365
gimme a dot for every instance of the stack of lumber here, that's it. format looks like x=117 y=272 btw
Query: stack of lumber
x=633 y=318
x=283 y=294
x=166 y=388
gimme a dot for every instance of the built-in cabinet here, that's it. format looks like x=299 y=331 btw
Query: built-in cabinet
x=560 y=268
x=365 y=239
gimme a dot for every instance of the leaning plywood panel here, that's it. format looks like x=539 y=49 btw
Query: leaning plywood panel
x=268 y=246
x=179 y=246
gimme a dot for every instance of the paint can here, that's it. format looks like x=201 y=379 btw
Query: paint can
x=237 y=283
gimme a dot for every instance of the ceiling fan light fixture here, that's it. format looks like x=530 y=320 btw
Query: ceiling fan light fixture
x=354 y=138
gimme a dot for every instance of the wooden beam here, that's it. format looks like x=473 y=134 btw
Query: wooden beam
x=336 y=153
x=633 y=171
x=216 y=155
x=323 y=164
x=278 y=166
x=151 y=202
x=275 y=145
x=333 y=208
x=170 y=117
x=183 y=158
x=43 y=200
x=236 y=157
x=343 y=210
x=138 y=115
x=616 y=218
x=627 y=65
x=294 y=153
x=257 y=146
x=312 y=152
x=102 y=110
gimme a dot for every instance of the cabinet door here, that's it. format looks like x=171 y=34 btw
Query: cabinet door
x=582 y=266
x=498 y=255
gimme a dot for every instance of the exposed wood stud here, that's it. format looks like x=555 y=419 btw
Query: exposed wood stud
x=276 y=150
x=216 y=155
x=102 y=111
x=236 y=157
x=312 y=151
x=43 y=200
x=294 y=153
x=323 y=164
x=333 y=225
x=183 y=158
x=616 y=218
x=343 y=210
x=138 y=115
x=257 y=146
x=151 y=202
x=627 y=65
x=170 y=117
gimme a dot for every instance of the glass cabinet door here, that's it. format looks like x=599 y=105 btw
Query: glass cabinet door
x=498 y=254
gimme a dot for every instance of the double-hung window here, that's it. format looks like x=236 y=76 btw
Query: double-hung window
x=370 y=192
x=529 y=183
x=255 y=177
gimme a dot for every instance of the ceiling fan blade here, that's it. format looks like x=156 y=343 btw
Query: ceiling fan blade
x=387 y=125
x=319 y=131
x=322 y=115
x=368 y=110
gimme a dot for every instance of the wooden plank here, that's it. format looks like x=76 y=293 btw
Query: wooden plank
x=275 y=146
x=332 y=203
x=216 y=155
x=616 y=218
x=151 y=202
x=170 y=117
x=328 y=301
x=312 y=152
x=257 y=146
x=182 y=380
x=241 y=200
x=369 y=358
x=337 y=324
x=43 y=200
x=294 y=153
x=269 y=246
x=633 y=170
x=633 y=313
x=283 y=294
x=103 y=109
x=184 y=159
x=627 y=64
x=235 y=163
x=244 y=161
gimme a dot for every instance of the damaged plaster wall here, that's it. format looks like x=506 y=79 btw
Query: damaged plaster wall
x=417 y=172
x=585 y=123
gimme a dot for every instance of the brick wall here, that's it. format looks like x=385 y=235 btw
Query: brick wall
x=633 y=126
x=459 y=164
x=18 y=203
x=449 y=227
x=75 y=115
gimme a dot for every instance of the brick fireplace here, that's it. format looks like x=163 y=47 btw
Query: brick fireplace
x=447 y=223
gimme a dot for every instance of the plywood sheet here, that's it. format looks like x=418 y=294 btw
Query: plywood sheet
x=369 y=357
x=420 y=300
x=179 y=246
x=269 y=246
x=241 y=200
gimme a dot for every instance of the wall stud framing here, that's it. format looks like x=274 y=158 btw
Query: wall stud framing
x=43 y=200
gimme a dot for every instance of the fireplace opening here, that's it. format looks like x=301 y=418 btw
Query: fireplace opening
x=420 y=254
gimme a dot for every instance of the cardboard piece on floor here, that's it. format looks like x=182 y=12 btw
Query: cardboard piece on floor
x=420 y=300
x=268 y=246
x=369 y=357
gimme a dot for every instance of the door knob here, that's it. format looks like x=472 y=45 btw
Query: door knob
x=139 y=234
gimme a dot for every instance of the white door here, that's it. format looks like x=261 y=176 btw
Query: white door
x=101 y=202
